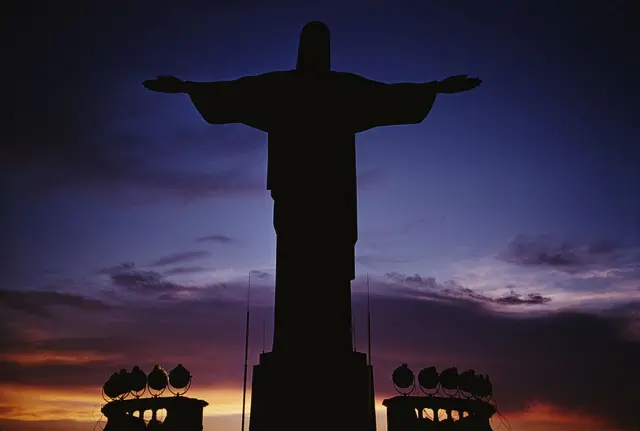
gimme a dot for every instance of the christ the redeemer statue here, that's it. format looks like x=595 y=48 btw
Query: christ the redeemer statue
x=311 y=115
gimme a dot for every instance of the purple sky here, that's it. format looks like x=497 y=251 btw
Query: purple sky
x=507 y=220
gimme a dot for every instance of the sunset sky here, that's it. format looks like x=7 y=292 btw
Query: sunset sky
x=501 y=234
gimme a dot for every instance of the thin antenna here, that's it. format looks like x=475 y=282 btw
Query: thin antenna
x=246 y=354
x=372 y=404
x=368 y=320
x=264 y=333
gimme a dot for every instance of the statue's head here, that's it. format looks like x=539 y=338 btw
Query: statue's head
x=314 y=52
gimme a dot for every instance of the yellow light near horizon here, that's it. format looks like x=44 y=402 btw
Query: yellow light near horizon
x=225 y=406
x=32 y=403
x=52 y=357
x=540 y=412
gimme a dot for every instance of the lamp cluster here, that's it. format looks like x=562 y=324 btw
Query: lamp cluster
x=449 y=381
x=136 y=382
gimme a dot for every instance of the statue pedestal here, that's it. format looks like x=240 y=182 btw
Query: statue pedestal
x=312 y=392
x=183 y=413
x=407 y=412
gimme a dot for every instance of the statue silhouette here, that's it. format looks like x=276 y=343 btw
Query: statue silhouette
x=311 y=115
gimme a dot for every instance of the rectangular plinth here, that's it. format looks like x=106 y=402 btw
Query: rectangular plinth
x=312 y=393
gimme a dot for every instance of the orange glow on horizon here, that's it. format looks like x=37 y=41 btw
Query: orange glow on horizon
x=84 y=403
x=32 y=403
x=52 y=357
x=539 y=412
x=225 y=404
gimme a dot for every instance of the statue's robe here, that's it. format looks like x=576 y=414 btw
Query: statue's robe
x=311 y=121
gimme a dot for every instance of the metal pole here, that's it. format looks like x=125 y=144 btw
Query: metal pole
x=246 y=355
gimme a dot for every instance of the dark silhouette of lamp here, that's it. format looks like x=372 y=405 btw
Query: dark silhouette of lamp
x=117 y=386
x=428 y=380
x=403 y=379
x=137 y=382
x=180 y=379
x=157 y=381
x=449 y=380
x=482 y=387
x=467 y=382
x=111 y=388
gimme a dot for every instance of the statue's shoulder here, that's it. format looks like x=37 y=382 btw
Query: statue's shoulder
x=267 y=83
x=272 y=76
x=348 y=78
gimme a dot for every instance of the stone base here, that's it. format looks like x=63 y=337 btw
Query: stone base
x=183 y=413
x=407 y=413
x=312 y=393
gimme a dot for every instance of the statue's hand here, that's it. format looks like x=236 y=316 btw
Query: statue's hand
x=457 y=84
x=165 y=84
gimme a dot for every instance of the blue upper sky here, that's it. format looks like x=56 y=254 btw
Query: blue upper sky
x=546 y=145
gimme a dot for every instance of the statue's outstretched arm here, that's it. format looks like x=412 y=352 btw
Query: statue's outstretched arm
x=165 y=84
x=222 y=102
x=171 y=84
x=457 y=84
x=377 y=104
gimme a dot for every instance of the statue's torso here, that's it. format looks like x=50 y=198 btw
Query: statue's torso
x=317 y=161
x=310 y=103
x=311 y=145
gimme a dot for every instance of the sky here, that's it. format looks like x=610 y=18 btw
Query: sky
x=501 y=234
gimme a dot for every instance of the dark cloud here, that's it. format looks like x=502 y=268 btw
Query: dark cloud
x=124 y=266
x=185 y=270
x=541 y=250
x=40 y=302
x=577 y=362
x=223 y=239
x=427 y=287
x=544 y=250
x=517 y=299
x=185 y=256
x=147 y=283
x=573 y=361
x=206 y=335
x=128 y=279
x=414 y=280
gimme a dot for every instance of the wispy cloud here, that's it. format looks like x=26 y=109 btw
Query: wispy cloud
x=547 y=251
x=181 y=270
x=427 y=287
x=222 y=239
x=415 y=320
x=181 y=257
x=40 y=302
x=129 y=280
x=592 y=276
